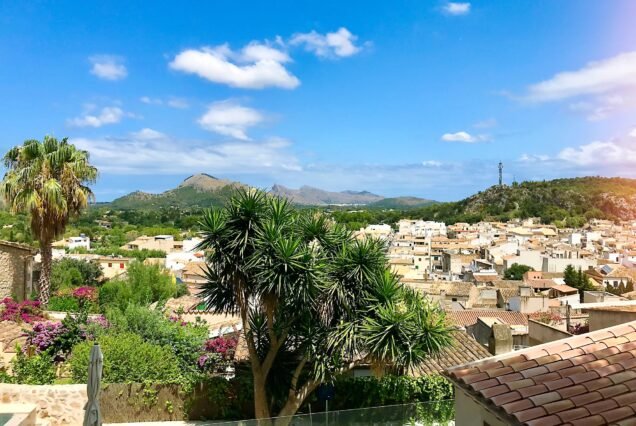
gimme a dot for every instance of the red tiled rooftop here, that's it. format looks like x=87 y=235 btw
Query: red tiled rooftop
x=588 y=380
x=468 y=318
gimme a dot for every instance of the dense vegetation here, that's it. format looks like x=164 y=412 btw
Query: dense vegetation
x=314 y=301
x=563 y=202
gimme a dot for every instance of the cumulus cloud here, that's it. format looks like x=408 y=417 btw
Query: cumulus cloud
x=601 y=153
x=464 y=137
x=172 y=102
x=138 y=154
x=431 y=163
x=108 y=67
x=107 y=115
x=596 y=78
x=230 y=119
x=341 y=43
x=255 y=66
x=533 y=158
x=453 y=8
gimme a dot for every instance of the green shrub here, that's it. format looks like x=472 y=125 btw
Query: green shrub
x=70 y=273
x=143 y=285
x=33 y=370
x=360 y=392
x=127 y=359
x=63 y=304
x=185 y=341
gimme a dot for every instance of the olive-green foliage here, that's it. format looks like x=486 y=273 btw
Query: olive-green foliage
x=139 y=255
x=143 y=285
x=185 y=341
x=70 y=273
x=564 y=202
x=127 y=359
x=360 y=392
x=33 y=369
x=516 y=271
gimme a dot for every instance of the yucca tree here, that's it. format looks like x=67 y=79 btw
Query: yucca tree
x=49 y=181
x=314 y=302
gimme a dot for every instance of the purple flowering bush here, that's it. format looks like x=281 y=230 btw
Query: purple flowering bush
x=28 y=311
x=44 y=335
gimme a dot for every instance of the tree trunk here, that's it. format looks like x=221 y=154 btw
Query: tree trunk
x=261 y=405
x=46 y=252
x=294 y=401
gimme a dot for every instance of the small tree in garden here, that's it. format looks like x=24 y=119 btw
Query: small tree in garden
x=47 y=180
x=516 y=271
x=314 y=302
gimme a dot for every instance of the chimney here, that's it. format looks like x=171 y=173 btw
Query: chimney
x=500 y=341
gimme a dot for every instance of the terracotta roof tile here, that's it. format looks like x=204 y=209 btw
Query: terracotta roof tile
x=532 y=390
x=463 y=349
x=532 y=413
x=558 y=384
x=510 y=378
x=589 y=421
x=600 y=406
x=545 y=398
x=506 y=398
x=617 y=414
x=558 y=406
x=593 y=385
x=584 y=380
x=519 y=405
x=586 y=398
x=545 y=421
x=573 y=414
x=468 y=318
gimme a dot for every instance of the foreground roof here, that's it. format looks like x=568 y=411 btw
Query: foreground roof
x=462 y=350
x=587 y=380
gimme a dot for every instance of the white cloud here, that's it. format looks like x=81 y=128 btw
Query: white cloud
x=148 y=134
x=599 y=153
x=172 y=102
x=486 y=124
x=230 y=119
x=136 y=156
x=533 y=158
x=107 y=115
x=340 y=43
x=464 y=137
x=431 y=163
x=255 y=66
x=178 y=103
x=453 y=8
x=108 y=67
x=633 y=133
x=600 y=77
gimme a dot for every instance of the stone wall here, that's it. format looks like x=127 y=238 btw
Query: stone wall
x=56 y=404
x=15 y=271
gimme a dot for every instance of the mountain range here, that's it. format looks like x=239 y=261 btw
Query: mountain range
x=204 y=190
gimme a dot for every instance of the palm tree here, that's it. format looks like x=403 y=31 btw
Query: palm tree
x=314 y=302
x=47 y=180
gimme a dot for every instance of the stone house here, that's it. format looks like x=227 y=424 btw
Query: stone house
x=16 y=270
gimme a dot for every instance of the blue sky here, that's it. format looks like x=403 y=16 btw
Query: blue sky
x=400 y=98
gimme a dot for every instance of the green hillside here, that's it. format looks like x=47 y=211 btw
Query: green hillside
x=567 y=202
x=401 y=203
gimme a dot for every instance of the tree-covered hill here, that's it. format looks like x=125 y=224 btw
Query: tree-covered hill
x=567 y=202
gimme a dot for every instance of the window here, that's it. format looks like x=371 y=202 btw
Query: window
x=121 y=266
x=110 y=265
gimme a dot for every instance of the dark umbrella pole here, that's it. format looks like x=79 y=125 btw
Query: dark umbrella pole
x=92 y=413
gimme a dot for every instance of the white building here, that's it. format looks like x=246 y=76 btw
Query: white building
x=421 y=228
x=78 y=242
